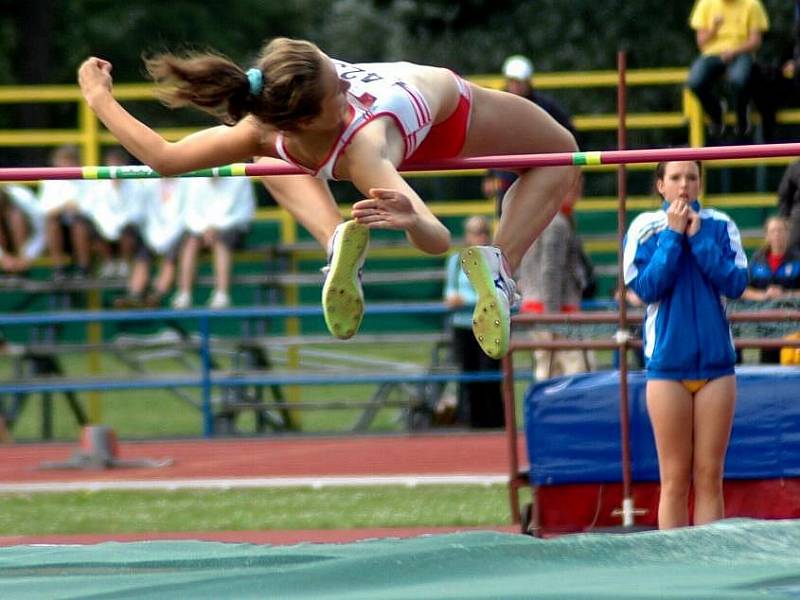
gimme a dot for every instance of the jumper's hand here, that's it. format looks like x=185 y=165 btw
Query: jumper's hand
x=385 y=209
x=94 y=77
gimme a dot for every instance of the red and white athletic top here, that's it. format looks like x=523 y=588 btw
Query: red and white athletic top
x=375 y=91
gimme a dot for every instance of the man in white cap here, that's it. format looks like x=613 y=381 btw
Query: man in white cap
x=518 y=72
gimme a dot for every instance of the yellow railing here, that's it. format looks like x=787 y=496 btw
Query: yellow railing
x=90 y=136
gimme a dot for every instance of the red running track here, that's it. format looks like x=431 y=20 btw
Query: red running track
x=365 y=456
x=443 y=454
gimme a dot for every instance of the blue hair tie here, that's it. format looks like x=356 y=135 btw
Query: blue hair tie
x=256 y=79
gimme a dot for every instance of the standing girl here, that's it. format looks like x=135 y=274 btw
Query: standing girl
x=683 y=261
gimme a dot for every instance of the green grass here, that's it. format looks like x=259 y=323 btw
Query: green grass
x=159 y=413
x=244 y=510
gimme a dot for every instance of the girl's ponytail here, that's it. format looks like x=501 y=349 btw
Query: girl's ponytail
x=209 y=82
x=284 y=90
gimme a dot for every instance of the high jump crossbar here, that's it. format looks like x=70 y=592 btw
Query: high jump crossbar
x=511 y=161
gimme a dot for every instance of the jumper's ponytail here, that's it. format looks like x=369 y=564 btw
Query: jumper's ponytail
x=291 y=85
x=209 y=82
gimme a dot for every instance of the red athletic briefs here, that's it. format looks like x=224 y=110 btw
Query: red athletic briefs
x=446 y=139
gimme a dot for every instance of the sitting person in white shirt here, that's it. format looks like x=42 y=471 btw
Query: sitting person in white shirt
x=162 y=230
x=115 y=209
x=217 y=216
x=68 y=228
x=22 y=236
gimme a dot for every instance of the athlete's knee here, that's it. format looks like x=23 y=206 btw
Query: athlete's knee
x=707 y=475
x=675 y=484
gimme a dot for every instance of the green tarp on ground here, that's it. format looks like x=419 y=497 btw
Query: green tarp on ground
x=731 y=560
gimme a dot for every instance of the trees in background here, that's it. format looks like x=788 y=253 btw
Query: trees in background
x=43 y=41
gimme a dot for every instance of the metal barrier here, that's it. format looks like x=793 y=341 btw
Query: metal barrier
x=206 y=379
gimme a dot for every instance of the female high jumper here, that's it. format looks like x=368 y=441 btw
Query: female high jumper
x=355 y=122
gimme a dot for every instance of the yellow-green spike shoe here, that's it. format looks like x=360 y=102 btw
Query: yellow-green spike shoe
x=342 y=295
x=497 y=295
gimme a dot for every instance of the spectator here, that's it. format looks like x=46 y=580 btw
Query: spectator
x=217 y=216
x=115 y=207
x=789 y=203
x=728 y=33
x=482 y=400
x=551 y=279
x=774 y=272
x=22 y=236
x=68 y=228
x=518 y=73
x=791 y=68
x=162 y=230
x=774 y=268
x=680 y=260
x=776 y=83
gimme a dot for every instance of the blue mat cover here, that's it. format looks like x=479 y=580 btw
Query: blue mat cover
x=573 y=433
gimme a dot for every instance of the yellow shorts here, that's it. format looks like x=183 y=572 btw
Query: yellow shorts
x=694 y=385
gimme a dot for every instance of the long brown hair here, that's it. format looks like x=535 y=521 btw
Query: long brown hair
x=292 y=88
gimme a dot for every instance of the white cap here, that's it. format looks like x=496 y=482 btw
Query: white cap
x=518 y=67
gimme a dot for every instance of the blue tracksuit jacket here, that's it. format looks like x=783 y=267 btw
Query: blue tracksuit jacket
x=683 y=281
